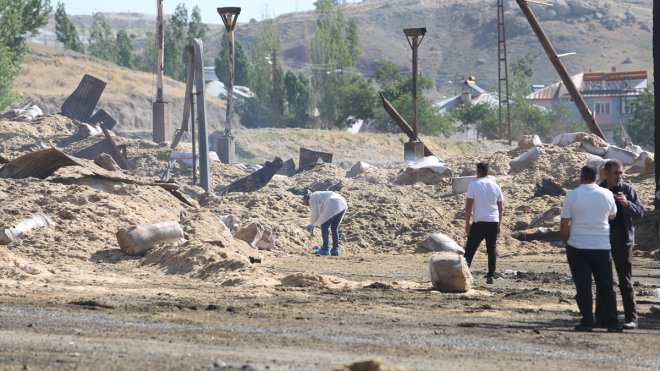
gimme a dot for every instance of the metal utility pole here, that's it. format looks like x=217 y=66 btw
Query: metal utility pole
x=162 y=125
x=414 y=150
x=226 y=145
x=656 y=65
x=502 y=72
x=561 y=70
x=276 y=92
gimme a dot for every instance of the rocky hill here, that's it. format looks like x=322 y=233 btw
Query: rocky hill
x=461 y=38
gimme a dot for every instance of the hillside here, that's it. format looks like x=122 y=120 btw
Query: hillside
x=50 y=75
x=461 y=38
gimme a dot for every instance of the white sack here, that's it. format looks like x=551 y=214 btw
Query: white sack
x=625 y=156
x=449 y=272
x=563 y=140
x=440 y=242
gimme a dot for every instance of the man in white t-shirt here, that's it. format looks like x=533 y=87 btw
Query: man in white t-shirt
x=484 y=205
x=327 y=211
x=585 y=230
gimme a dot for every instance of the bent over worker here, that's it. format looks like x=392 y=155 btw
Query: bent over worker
x=327 y=210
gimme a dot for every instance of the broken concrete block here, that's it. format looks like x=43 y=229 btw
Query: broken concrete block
x=450 y=273
x=358 y=169
x=526 y=159
x=257 y=235
x=138 y=239
x=105 y=161
x=11 y=234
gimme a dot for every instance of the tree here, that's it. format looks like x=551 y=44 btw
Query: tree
x=333 y=49
x=19 y=19
x=146 y=60
x=641 y=127
x=296 y=93
x=196 y=29
x=398 y=90
x=176 y=39
x=481 y=117
x=125 y=54
x=65 y=31
x=102 y=43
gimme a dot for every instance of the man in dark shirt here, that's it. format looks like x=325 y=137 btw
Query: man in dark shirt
x=622 y=238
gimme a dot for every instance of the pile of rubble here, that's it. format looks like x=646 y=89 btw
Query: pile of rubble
x=113 y=208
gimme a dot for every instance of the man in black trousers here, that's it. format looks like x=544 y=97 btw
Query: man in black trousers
x=484 y=205
x=585 y=230
x=622 y=239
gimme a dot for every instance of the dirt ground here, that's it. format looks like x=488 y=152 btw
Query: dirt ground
x=71 y=299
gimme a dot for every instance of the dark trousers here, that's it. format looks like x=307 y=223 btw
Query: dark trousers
x=622 y=256
x=585 y=263
x=478 y=232
x=332 y=224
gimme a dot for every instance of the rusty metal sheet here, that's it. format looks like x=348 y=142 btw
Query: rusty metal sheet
x=81 y=103
x=310 y=157
x=101 y=116
x=108 y=146
x=256 y=180
x=40 y=164
x=288 y=168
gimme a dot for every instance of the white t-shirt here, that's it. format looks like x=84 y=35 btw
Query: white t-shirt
x=486 y=194
x=325 y=205
x=588 y=206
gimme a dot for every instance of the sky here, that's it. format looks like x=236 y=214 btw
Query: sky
x=257 y=9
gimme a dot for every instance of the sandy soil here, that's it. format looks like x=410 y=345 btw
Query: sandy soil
x=72 y=300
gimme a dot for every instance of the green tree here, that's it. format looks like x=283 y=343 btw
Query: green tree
x=527 y=118
x=125 y=54
x=8 y=72
x=176 y=39
x=19 y=19
x=196 y=29
x=146 y=59
x=296 y=93
x=641 y=127
x=481 y=117
x=333 y=49
x=102 y=43
x=357 y=101
x=242 y=69
x=65 y=30
x=398 y=90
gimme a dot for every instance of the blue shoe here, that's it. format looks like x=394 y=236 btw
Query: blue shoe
x=321 y=251
x=335 y=252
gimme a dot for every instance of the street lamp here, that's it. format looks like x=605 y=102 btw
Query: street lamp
x=229 y=16
x=414 y=37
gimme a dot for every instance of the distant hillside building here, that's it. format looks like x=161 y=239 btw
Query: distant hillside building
x=607 y=94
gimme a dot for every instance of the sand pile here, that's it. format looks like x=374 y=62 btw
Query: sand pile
x=382 y=217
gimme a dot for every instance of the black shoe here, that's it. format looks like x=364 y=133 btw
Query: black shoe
x=615 y=329
x=489 y=280
x=600 y=323
x=583 y=328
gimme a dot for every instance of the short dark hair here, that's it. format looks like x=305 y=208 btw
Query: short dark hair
x=610 y=163
x=482 y=167
x=588 y=173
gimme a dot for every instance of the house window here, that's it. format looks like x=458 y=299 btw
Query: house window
x=626 y=106
x=602 y=108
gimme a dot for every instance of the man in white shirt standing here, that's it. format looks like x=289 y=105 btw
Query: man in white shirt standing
x=585 y=230
x=328 y=210
x=484 y=205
